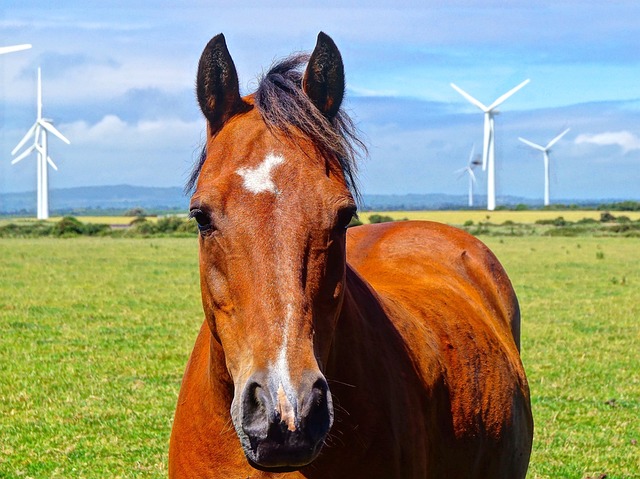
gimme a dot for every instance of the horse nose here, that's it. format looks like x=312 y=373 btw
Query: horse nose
x=285 y=426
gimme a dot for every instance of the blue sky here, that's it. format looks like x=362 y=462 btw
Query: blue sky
x=118 y=81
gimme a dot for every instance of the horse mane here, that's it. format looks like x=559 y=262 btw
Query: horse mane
x=286 y=108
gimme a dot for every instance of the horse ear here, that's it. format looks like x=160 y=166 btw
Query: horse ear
x=323 y=80
x=217 y=84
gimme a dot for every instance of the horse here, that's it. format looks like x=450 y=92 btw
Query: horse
x=328 y=351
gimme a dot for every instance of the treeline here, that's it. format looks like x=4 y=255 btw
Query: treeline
x=617 y=206
x=607 y=225
x=69 y=227
x=621 y=206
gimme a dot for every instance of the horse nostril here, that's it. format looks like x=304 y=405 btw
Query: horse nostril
x=255 y=407
x=317 y=411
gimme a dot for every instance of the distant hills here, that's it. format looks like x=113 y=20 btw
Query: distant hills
x=118 y=198
x=98 y=199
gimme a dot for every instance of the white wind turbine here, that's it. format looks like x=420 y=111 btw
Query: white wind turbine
x=471 y=164
x=488 y=149
x=39 y=133
x=545 y=151
x=14 y=48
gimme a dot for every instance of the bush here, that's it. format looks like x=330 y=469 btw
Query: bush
x=354 y=222
x=586 y=221
x=12 y=230
x=137 y=211
x=380 y=219
x=93 y=229
x=169 y=224
x=607 y=217
x=68 y=226
x=141 y=226
x=559 y=221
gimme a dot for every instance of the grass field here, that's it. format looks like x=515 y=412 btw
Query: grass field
x=95 y=334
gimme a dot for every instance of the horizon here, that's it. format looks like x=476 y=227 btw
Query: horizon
x=118 y=81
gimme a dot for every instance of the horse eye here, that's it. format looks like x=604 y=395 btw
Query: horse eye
x=345 y=216
x=202 y=219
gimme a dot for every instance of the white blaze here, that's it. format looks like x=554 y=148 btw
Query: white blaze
x=258 y=179
x=282 y=366
x=283 y=405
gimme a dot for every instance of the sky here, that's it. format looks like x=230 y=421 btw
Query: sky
x=118 y=81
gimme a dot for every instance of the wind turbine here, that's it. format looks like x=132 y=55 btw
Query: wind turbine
x=471 y=164
x=545 y=151
x=39 y=131
x=488 y=149
x=15 y=48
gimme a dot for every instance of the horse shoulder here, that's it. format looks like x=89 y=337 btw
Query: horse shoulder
x=453 y=304
x=424 y=264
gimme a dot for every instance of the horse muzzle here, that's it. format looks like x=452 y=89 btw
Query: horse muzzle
x=282 y=428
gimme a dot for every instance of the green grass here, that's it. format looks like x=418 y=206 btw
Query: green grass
x=580 y=301
x=95 y=334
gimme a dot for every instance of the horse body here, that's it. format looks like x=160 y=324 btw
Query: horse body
x=388 y=351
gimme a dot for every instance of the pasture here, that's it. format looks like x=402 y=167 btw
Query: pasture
x=95 y=334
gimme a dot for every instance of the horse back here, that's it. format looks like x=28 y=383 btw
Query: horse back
x=454 y=307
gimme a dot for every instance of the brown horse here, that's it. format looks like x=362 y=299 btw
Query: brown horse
x=388 y=351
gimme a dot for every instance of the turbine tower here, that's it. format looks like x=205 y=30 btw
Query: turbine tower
x=545 y=152
x=15 y=48
x=488 y=148
x=38 y=132
x=471 y=164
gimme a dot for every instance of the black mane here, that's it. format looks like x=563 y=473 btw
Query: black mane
x=285 y=107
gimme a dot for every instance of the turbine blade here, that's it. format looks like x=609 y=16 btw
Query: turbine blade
x=14 y=48
x=473 y=150
x=531 y=144
x=24 y=154
x=557 y=138
x=48 y=126
x=472 y=175
x=487 y=135
x=53 y=165
x=468 y=97
x=25 y=138
x=507 y=95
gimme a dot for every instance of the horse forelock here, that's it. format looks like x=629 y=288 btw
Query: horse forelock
x=285 y=108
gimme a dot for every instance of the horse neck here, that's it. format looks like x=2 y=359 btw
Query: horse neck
x=367 y=347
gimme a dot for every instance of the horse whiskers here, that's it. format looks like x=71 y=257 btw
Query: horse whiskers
x=335 y=381
x=228 y=427
x=332 y=440
x=341 y=409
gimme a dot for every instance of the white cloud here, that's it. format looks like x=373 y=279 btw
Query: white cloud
x=624 y=139
x=111 y=131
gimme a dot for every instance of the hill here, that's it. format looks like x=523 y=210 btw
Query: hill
x=117 y=198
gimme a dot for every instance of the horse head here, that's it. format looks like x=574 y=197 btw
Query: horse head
x=273 y=197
